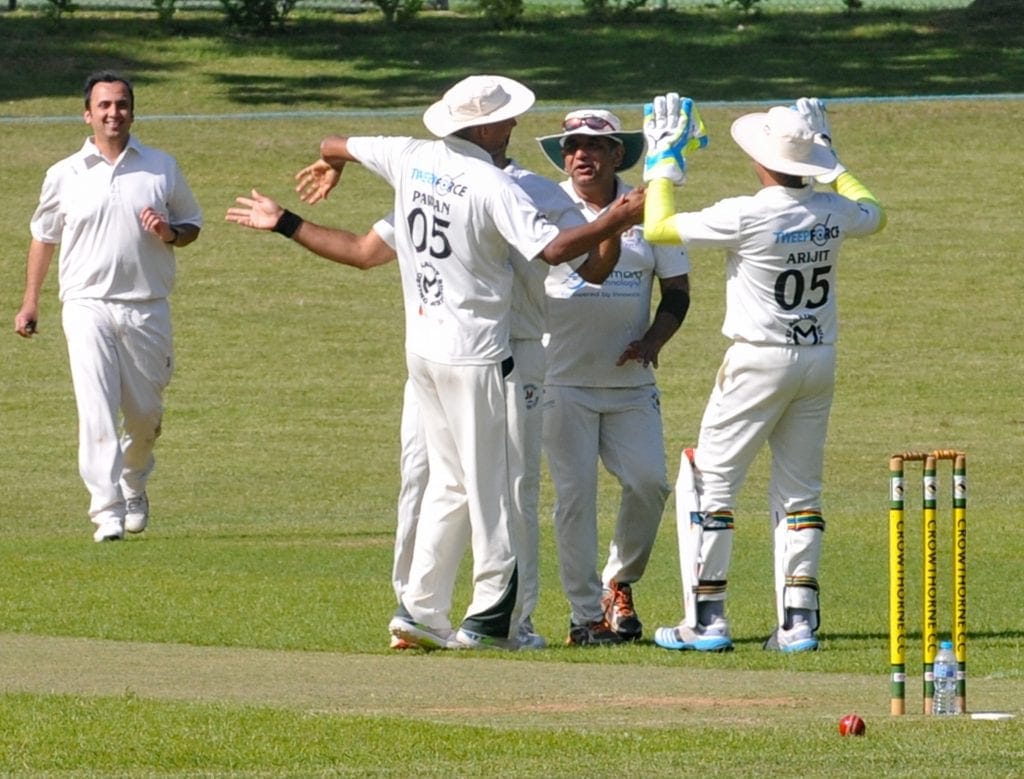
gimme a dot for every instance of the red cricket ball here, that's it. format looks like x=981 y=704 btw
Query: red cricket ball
x=852 y=725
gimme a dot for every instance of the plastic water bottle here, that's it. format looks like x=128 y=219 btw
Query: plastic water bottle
x=945 y=701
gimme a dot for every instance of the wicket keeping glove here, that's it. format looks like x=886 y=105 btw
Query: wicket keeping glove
x=672 y=128
x=814 y=111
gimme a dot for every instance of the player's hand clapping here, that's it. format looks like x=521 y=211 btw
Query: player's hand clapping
x=258 y=212
x=316 y=181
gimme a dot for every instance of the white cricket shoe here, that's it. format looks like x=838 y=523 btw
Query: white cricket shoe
x=136 y=513
x=704 y=638
x=470 y=639
x=109 y=530
x=799 y=638
x=422 y=636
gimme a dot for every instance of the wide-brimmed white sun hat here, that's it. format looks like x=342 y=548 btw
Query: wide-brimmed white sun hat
x=783 y=141
x=594 y=121
x=477 y=100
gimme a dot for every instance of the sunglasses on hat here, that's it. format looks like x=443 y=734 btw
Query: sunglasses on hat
x=591 y=122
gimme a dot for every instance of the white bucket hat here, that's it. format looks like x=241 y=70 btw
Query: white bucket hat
x=783 y=141
x=477 y=100
x=594 y=121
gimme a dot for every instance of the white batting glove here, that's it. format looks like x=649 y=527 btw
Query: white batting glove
x=672 y=128
x=814 y=111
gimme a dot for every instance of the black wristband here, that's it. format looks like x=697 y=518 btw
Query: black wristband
x=173 y=240
x=288 y=224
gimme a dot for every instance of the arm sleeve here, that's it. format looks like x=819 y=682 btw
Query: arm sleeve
x=182 y=206
x=659 y=213
x=48 y=222
x=847 y=185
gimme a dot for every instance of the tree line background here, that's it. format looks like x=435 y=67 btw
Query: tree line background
x=268 y=15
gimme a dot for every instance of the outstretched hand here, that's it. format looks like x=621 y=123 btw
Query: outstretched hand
x=258 y=212
x=316 y=181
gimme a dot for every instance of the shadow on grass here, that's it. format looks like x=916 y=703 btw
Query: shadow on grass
x=358 y=62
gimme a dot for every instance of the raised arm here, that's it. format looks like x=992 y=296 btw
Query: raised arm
x=316 y=181
x=672 y=129
x=660 y=211
x=260 y=212
x=587 y=238
x=847 y=185
x=839 y=178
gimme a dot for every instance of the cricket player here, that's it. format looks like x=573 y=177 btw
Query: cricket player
x=458 y=218
x=775 y=384
x=601 y=401
x=118 y=210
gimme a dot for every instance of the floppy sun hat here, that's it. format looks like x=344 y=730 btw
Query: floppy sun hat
x=477 y=100
x=783 y=141
x=594 y=121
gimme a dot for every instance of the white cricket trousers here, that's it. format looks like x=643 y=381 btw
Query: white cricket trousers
x=781 y=395
x=526 y=417
x=468 y=497
x=414 y=472
x=623 y=427
x=525 y=423
x=121 y=357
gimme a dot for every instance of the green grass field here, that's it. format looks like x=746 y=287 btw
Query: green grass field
x=244 y=634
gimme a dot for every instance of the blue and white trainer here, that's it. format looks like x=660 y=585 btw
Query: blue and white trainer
x=705 y=638
x=799 y=638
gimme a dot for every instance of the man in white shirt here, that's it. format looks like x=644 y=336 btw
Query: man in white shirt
x=117 y=209
x=776 y=382
x=600 y=397
x=458 y=220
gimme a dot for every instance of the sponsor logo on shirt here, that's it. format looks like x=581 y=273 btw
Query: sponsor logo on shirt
x=443 y=185
x=619 y=282
x=430 y=285
x=804 y=331
x=819 y=235
x=531 y=394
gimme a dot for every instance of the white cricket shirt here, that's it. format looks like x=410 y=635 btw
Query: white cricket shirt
x=457 y=217
x=529 y=307
x=782 y=251
x=591 y=325
x=91 y=207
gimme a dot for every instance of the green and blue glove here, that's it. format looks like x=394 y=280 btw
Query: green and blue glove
x=814 y=111
x=672 y=128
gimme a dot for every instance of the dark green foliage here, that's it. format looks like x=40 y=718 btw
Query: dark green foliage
x=602 y=9
x=399 y=10
x=502 y=13
x=257 y=15
x=55 y=9
x=164 y=10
